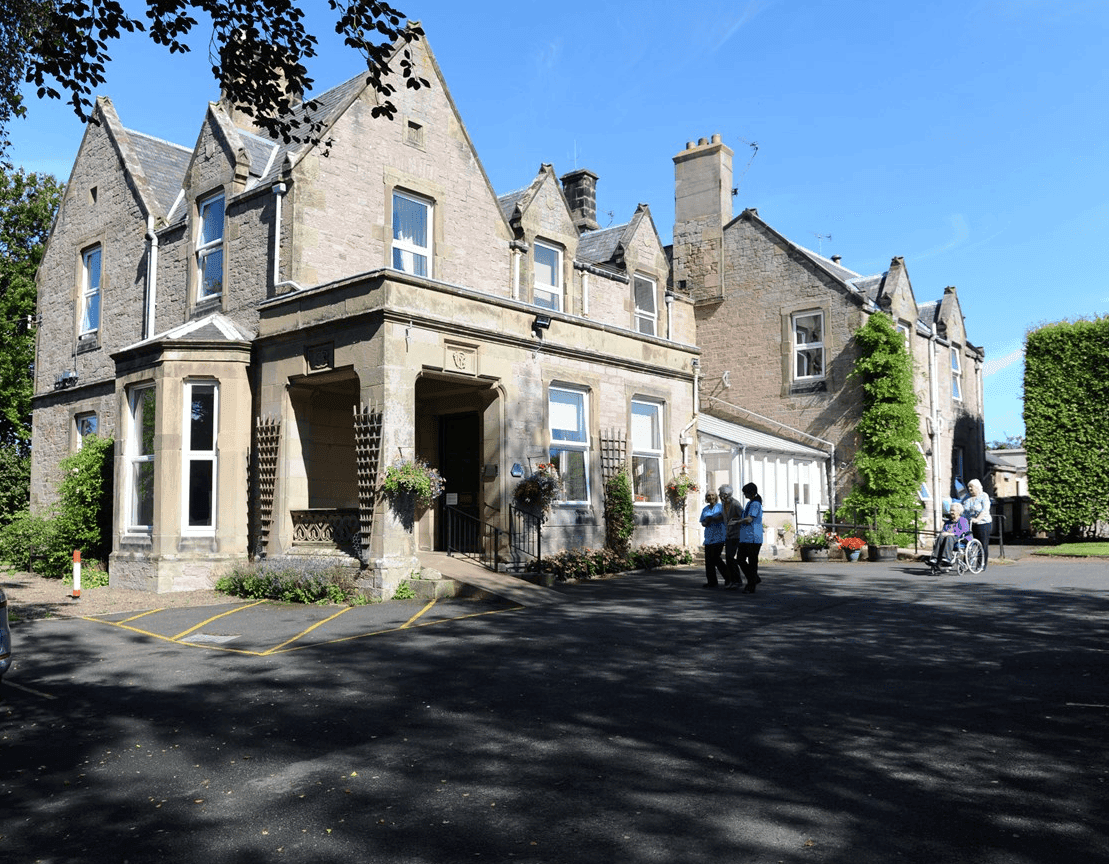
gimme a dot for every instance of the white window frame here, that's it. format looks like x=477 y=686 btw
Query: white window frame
x=90 y=293
x=555 y=289
x=191 y=454
x=408 y=246
x=805 y=347
x=206 y=249
x=647 y=452
x=558 y=445
x=80 y=424
x=137 y=458
x=646 y=320
x=956 y=375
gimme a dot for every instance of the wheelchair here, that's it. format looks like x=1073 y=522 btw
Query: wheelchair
x=968 y=557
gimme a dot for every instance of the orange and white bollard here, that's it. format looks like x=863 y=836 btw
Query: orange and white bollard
x=76 y=595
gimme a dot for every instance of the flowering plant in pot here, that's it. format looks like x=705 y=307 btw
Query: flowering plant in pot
x=680 y=486
x=412 y=479
x=851 y=544
x=814 y=544
x=539 y=490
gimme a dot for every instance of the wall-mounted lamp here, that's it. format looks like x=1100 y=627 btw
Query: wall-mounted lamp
x=695 y=363
x=725 y=378
x=541 y=323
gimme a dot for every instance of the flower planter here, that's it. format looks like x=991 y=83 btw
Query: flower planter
x=882 y=553
x=813 y=553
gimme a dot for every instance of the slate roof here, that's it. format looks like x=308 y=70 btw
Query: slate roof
x=164 y=165
x=215 y=327
x=508 y=202
x=598 y=247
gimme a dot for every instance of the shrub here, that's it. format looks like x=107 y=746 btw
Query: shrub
x=619 y=514
x=291 y=580
x=27 y=536
x=590 y=563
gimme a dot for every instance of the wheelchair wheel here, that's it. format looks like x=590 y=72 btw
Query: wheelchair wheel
x=975 y=557
x=961 y=565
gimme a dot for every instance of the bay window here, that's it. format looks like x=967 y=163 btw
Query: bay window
x=199 y=456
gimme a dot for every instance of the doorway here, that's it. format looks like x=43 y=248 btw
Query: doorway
x=460 y=465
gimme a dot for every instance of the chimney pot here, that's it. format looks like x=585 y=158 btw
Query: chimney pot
x=716 y=138
x=701 y=142
x=836 y=259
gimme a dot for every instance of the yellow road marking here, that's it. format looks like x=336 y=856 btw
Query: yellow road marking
x=173 y=639
x=215 y=618
x=306 y=632
x=140 y=615
x=396 y=629
x=29 y=690
x=417 y=615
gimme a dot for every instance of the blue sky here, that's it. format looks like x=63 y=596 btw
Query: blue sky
x=971 y=138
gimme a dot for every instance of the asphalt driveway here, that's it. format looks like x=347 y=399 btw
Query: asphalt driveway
x=845 y=713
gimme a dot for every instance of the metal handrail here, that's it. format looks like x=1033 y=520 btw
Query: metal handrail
x=467 y=535
x=525 y=532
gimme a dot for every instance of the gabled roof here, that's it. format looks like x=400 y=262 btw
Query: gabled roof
x=599 y=247
x=164 y=164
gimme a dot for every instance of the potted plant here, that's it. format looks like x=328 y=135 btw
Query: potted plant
x=814 y=544
x=882 y=541
x=412 y=481
x=852 y=547
x=539 y=490
x=679 y=487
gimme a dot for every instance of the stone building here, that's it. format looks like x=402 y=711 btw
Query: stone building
x=775 y=322
x=263 y=327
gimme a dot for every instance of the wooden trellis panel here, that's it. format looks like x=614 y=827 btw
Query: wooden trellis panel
x=267 y=436
x=614 y=452
x=367 y=454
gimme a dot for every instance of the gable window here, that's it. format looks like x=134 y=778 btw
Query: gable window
x=956 y=375
x=90 y=291
x=569 y=450
x=199 y=462
x=209 y=248
x=646 y=438
x=141 y=457
x=548 y=276
x=411 y=234
x=808 y=346
x=646 y=306
x=904 y=330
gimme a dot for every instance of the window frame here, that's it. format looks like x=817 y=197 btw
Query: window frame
x=79 y=420
x=137 y=458
x=207 y=248
x=88 y=294
x=564 y=445
x=556 y=289
x=190 y=455
x=956 y=375
x=643 y=315
x=799 y=347
x=655 y=452
x=405 y=246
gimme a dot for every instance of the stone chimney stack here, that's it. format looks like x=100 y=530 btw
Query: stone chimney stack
x=580 y=188
x=702 y=206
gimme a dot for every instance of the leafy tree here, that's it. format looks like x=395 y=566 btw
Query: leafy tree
x=889 y=465
x=28 y=203
x=257 y=51
x=1009 y=442
x=1066 y=421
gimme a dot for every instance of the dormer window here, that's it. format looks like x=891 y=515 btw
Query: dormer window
x=548 y=276
x=411 y=234
x=90 y=291
x=209 y=248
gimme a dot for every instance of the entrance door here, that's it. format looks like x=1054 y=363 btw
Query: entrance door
x=460 y=465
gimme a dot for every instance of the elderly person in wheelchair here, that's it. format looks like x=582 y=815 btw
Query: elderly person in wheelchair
x=955 y=532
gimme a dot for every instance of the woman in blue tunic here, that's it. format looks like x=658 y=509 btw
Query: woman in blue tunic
x=750 y=537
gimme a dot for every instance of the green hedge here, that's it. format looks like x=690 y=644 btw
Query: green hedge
x=1066 y=421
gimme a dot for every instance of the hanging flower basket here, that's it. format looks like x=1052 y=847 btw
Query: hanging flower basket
x=679 y=487
x=539 y=490
x=412 y=480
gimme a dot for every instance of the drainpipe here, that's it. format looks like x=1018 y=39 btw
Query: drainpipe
x=279 y=190
x=683 y=437
x=151 y=278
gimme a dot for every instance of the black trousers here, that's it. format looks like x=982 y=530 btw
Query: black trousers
x=981 y=532
x=731 y=548
x=749 y=562
x=714 y=562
